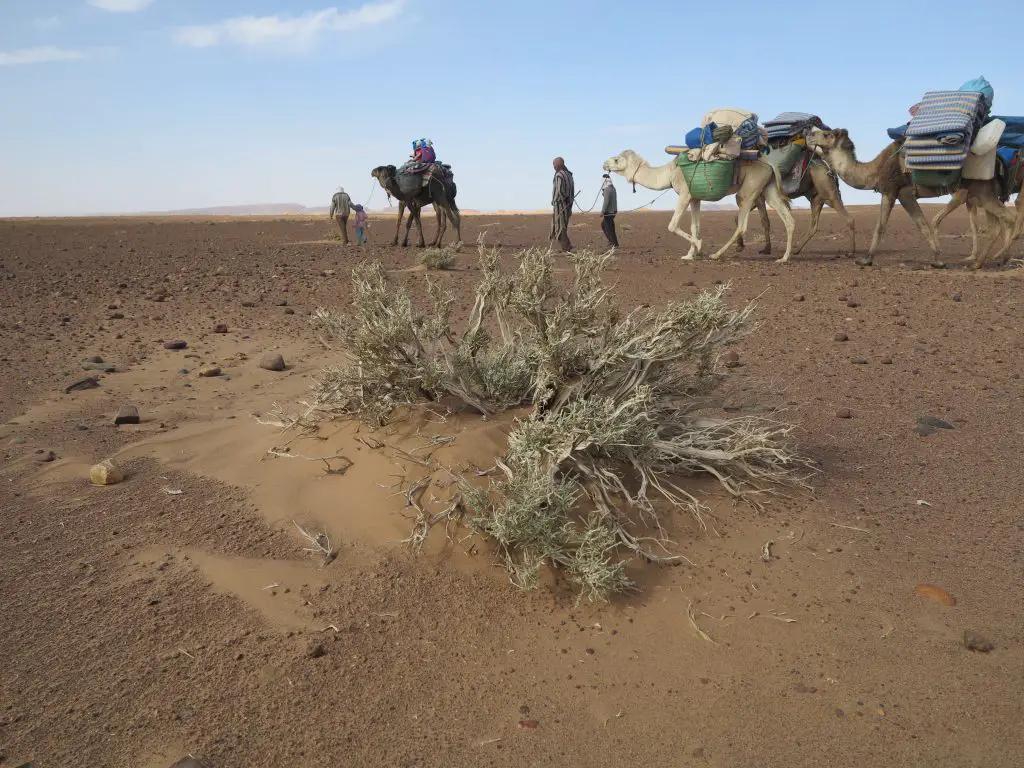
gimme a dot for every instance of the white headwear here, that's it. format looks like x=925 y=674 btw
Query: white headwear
x=341 y=189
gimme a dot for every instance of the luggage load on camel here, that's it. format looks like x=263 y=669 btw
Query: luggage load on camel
x=708 y=156
x=942 y=131
x=788 y=146
x=422 y=168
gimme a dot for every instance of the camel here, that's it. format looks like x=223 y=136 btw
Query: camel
x=885 y=174
x=437 y=193
x=756 y=180
x=820 y=186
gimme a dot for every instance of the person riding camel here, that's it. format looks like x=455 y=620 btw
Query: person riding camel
x=423 y=151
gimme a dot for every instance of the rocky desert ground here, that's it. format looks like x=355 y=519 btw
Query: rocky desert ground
x=178 y=612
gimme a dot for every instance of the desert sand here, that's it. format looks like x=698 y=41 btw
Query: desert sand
x=177 y=612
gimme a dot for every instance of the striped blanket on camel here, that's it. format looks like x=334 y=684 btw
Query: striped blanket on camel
x=790 y=124
x=940 y=133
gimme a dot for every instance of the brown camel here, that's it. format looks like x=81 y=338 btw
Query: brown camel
x=886 y=175
x=437 y=192
x=820 y=186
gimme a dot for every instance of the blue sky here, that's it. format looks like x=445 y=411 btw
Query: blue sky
x=136 y=105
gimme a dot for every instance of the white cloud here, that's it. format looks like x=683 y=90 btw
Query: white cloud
x=46 y=22
x=42 y=55
x=296 y=32
x=121 y=6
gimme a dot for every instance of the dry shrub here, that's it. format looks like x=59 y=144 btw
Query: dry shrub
x=618 y=407
x=440 y=258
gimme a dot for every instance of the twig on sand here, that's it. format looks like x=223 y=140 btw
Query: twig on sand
x=321 y=544
x=693 y=623
x=849 y=527
x=424 y=522
x=325 y=459
x=766 y=551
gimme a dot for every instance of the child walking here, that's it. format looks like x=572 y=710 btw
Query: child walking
x=361 y=224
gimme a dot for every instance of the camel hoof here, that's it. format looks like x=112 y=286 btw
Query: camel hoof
x=942 y=265
x=782 y=260
x=767 y=251
x=865 y=261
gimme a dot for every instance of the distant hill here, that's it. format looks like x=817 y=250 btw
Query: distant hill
x=261 y=209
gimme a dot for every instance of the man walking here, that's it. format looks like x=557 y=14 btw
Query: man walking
x=341 y=205
x=609 y=208
x=562 y=198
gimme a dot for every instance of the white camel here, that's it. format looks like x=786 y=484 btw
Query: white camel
x=756 y=180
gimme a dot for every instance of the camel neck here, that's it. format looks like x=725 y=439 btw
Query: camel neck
x=855 y=173
x=653 y=178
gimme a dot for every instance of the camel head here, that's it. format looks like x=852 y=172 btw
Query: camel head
x=828 y=141
x=622 y=162
x=384 y=173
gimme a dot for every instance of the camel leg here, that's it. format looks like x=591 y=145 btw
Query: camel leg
x=979 y=235
x=1006 y=221
x=398 y=224
x=954 y=202
x=817 y=203
x=837 y=205
x=766 y=225
x=442 y=224
x=419 y=228
x=695 y=225
x=912 y=207
x=414 y=215
x=1018 y=229
x=456 y=219
x=773 y=195
x=677 y=216
x=888 y=201
x=742 y=219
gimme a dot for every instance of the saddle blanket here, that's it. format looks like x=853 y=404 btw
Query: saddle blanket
x=793 y=124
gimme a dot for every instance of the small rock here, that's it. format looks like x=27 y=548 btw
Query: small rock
x=844 y=413
x=106 y=473
x=210 y=371
x=95 y=359
x=975 y=642
x=731 y=359
x=221 y=329
x=248 y=303
x=852 y=304
x=529 y=725
x=272 y=363
x=316 y=651
x=81 y=428
x=116 y=316
x=175 y=344
x=798 y=297
x=958 y=297
x=102 y=367
x=89 y=382
x=289 y=311
x=46 y=457
x=840 y=337
x=859 y=361
x=886 y=361
x=128 y=414
x=282 y=303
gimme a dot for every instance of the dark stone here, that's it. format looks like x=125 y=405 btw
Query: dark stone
x=289 y=311
x=89 y=382
x=176 y=344
x=977 y=643
x=128 y=414
x=317 y=651
x=95 y=359
x=859 y=361
x=221 y=329
x=926 y=425
x=844 y=413
x=840 y=337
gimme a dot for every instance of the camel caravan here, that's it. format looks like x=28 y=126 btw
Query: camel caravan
x=952 y=145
